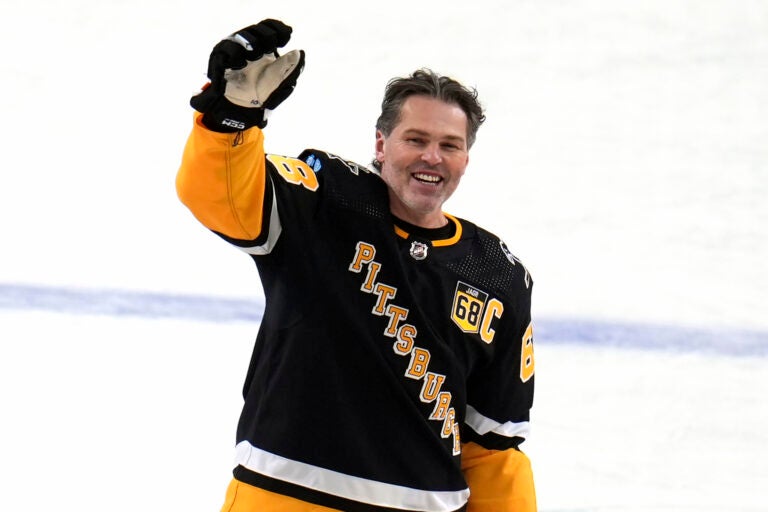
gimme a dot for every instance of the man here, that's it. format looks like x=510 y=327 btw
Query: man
x=393 y=368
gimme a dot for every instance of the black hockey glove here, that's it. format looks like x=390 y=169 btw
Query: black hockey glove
x=248 y=78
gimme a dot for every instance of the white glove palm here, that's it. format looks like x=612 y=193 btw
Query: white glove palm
x=253 y=85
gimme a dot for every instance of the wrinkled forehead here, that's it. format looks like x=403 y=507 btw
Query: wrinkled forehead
x=428 y=115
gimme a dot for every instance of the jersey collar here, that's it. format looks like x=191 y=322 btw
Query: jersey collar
x=439 y=242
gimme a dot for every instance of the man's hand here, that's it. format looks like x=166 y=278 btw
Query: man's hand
x=248 y=78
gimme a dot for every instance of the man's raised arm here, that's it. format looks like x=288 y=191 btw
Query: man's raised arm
x=222 y=175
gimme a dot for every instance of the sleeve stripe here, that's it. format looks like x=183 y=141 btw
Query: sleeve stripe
x=275 y=229
x=483 y=425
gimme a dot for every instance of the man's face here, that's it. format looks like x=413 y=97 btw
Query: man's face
x=423 y=159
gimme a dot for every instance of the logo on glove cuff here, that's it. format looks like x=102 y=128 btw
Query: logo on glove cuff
x=234 y=124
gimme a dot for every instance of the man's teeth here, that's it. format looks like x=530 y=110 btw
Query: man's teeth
x=427 y=177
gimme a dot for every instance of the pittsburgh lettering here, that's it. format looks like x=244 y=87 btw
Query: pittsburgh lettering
x=404 y=335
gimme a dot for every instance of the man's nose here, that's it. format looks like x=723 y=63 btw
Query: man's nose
x=431 y=154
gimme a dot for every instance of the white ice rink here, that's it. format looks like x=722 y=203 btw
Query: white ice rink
x=624 y=160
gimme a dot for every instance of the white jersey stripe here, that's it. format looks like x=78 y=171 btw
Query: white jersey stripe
x=275 y=228
x=482 y=425
x=346 y=486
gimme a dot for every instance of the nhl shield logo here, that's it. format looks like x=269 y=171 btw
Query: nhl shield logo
x=419 y=250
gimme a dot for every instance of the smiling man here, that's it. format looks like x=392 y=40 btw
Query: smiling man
x=423 y=157
x=393 y=368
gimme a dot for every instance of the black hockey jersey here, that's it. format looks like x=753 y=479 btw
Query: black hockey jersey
x=380 y=350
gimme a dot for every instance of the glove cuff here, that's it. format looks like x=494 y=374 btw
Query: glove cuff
x=223 y=116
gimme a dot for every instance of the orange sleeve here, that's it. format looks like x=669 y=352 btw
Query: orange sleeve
x=499 y=480
x=222 y=180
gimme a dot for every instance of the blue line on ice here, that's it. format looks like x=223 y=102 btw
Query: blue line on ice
x=550 y=330
x=113 y=302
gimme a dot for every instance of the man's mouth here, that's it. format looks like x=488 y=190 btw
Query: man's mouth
x=429 y=179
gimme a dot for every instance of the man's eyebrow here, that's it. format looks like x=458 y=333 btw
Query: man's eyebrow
x=416 y=131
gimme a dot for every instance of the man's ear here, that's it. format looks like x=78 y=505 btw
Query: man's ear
x=380 y=140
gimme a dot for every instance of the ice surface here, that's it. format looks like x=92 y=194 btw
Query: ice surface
x=624 y=160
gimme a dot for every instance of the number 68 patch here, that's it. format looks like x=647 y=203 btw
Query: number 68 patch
x=473 y=312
